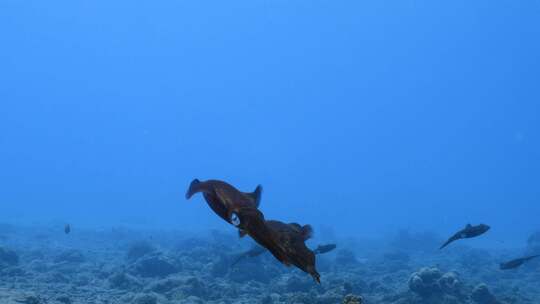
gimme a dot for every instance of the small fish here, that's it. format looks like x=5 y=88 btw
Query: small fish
x=258 y=250
x=67 y=228
x=517 y=262
x=251 y=253
x=322 y=249
x=468 y=232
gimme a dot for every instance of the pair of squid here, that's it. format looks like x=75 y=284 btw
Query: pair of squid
x=285 y=241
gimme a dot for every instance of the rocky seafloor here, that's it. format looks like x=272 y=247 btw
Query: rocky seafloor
x=119 y=265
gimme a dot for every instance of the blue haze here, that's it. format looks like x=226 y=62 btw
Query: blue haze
x=364 y=116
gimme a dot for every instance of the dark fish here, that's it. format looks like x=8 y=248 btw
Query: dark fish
x=468 y=232
x=251 y=253
x=321 y=249
x=258 y=250
x=239 y=209
x=67 y=228
x=517 y=262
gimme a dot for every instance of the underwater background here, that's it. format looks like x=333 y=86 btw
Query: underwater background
x=386 y=125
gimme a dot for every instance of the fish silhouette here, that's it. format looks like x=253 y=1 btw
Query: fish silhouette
x=468 y=232
x=321 y=249
x=258 y=250
x=517 y=262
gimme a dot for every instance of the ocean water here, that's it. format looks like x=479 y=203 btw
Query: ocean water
x=387 y=126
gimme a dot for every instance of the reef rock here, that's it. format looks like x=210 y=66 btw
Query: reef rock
x=450 y=284
x=352 y=299
x=425 y=282
x=482 y=295
x=435 y=287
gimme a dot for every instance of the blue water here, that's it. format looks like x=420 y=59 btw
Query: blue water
x=364 y=116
